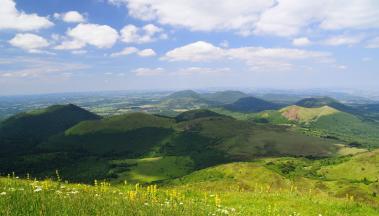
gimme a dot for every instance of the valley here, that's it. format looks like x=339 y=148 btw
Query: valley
x=226 y=143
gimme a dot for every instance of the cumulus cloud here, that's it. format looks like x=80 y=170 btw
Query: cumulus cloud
x=11 y=18
x=254 y=57
x=302 y=41
x=198 y=14
x=126 y=51
x=100 y=36
x=70 y=17
x=145 y=34
x=29 y=42
x=342 y=40
x=187 y=71
x=280 y=17
x=147 y=53
x=289 y=17
x=196 y=52
x=70 y=45
x=133 y=50
x=373 y=43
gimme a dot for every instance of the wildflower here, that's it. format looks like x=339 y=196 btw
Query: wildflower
x=180 y=203
x=146 y=204
x=3 y=193
x=38 y=189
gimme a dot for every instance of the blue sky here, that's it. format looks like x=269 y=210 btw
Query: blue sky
x=91 y=45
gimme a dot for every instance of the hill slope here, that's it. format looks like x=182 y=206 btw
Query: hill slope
x=203 y=137
x=251 y=104
x=306 y=115
x=186 y=99
x=327 y=121
x=317 y=102
x=25 y=130
x=224 y=97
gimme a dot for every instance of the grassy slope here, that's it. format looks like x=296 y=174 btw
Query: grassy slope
x=358 y=168
x=320 y=121
x=23 y=131
x=251 y=104
x=20 y=197
x=152 y=169
x=306 y=115
x=349 y=128
x=207 y=141
x=224 y=97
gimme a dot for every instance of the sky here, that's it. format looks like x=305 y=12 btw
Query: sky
x=94 y=45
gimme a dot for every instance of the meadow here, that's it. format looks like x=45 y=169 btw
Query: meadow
x=48 y=197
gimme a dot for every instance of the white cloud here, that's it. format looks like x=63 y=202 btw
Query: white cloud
x=188 y=71
x=254 y=57
x=342 y=40
x=279 y=17
x=11 y=18
x=196 y=52
x=70 y=45
x=199 y=15
x=29 y=42
x=146 y=34
x=302 y=41
x=147 y=53
x=133 y=50
x=70 y=17
x=373 y=43
x=125 y=52
x=203 y=51
x=100 y=36
x=289 y=17
x=149 y=71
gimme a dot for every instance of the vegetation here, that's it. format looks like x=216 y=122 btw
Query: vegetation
x=244 y=158
x=251 y=104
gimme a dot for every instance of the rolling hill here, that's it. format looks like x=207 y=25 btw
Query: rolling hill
x=224 y=97
x=306 y=115
x=251 y=104
x=203 y=137
x=316 y=102
x=330 y=122
x=186 y=99
x=25 y=130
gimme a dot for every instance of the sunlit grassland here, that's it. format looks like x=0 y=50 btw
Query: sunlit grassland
x=270 y=186
x=147 y=170
x=28 y=197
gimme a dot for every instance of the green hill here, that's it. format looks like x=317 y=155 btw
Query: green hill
x=186 y=99
x=330 y=122
x=22 y=132
x=194 y=114
x=317 y=102
x=224 y=97
x=306 y=115
x=251 y=104
x=203 y=137
x=183 y=94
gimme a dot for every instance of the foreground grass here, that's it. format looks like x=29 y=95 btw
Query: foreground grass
x=27 y=197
